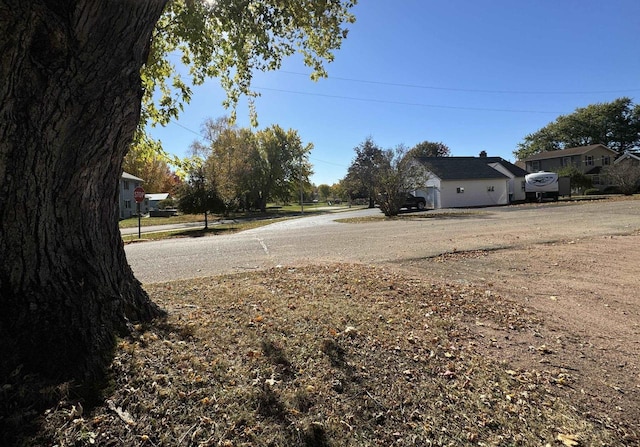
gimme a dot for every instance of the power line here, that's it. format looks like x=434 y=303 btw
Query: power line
x=381 y=101
x=328 y=162
x=202 y=136
x=468 y=90
x=187 y=129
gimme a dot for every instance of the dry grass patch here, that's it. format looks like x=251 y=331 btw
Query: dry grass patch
x=416 y=215
x=340 y=355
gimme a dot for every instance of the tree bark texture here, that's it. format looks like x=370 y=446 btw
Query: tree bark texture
x=70 y=97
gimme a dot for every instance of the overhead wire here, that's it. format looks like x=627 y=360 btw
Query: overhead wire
x=429 y=87
x=382 y=101
x=468 y=90
x=417 y=104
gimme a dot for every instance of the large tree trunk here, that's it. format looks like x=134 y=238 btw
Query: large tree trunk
x=69 y=105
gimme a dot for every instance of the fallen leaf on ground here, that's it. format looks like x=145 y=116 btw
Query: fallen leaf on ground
x=569 y=440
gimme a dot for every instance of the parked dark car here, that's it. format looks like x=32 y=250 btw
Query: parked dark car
x=415 y=202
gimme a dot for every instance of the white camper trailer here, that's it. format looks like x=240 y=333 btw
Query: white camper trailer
x=541 y=185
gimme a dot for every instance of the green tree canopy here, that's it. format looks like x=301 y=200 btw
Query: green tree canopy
x=615 y=124
x=230 y=40
x=198 y=194
x=340 y=190
x=578 y=179
x=282 y=165
x=362 y=173
x=429 y=149
x=324 y=191
x=228 y=152
x=251 y=168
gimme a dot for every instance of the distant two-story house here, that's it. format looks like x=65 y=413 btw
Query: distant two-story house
x=127 y=204
x=590 y=160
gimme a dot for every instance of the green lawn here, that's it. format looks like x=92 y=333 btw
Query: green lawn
x=226 y=228
x=273 y=210
x=148 y=221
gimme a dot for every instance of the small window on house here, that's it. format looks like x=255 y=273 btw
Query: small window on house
x=125 y=184
x=588 y=160
x=606 y=160
x=490 y=189
x=523 y=185
x=595 y=180
x=535 y=166
x=127 y=204
x=459 y=190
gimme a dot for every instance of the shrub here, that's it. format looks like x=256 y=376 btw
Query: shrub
x=167 y=203
x=612 y=190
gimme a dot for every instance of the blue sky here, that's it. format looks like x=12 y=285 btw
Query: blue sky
x=473 y=74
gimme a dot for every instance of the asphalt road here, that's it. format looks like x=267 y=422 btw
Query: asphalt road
x=322 y=239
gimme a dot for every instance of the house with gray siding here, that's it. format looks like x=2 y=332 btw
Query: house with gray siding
x=126 y=202
x=590 y=160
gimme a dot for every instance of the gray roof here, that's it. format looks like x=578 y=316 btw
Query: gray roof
x=517 y=171
x=463 y=168
x=628 y=154
x=128 y=176
x=157 y=196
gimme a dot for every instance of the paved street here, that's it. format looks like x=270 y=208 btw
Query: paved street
x=320 y=238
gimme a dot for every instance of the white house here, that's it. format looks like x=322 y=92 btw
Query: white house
x=127 y=204
x=461 y=182
x=516 y=177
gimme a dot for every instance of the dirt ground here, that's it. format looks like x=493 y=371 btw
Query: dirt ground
x=587 y=293
x=496 y=327
x=573 y=263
